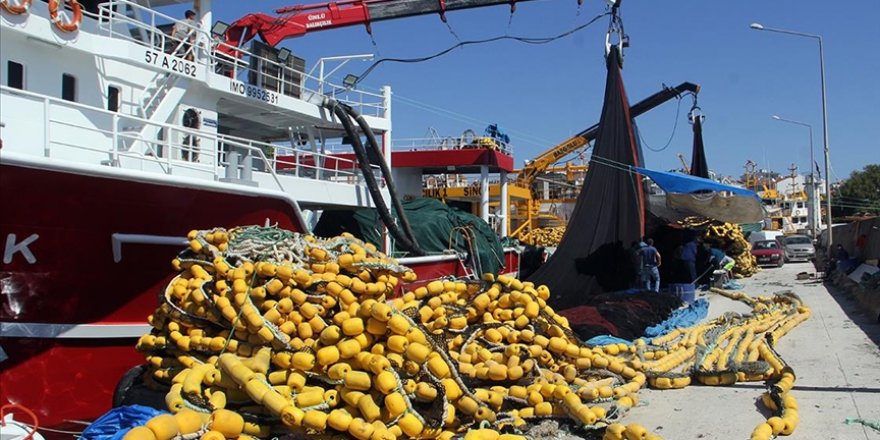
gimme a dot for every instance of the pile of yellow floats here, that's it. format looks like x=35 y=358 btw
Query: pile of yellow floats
x=265 y=332
x=551 y=236
x=734 y=244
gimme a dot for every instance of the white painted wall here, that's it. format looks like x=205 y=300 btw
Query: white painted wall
x=408 y=181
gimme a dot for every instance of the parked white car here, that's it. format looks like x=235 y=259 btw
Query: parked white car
x=757 y=236
x=798 y=248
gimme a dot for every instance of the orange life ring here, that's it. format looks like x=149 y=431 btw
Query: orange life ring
x=73 y=24
x=18 y=9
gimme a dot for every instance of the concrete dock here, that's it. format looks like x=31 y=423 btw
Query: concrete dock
x=835 y=355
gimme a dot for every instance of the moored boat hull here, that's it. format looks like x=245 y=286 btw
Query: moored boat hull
x=85 y=258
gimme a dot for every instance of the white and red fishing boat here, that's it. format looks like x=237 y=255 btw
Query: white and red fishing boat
x=117 y=139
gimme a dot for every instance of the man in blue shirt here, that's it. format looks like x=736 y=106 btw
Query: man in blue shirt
x=650 y=261
x=689 y=257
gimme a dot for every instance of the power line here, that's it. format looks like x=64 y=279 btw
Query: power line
x=527 y=40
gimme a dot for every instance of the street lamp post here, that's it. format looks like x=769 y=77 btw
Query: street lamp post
x=814 y=204
x=760 y=27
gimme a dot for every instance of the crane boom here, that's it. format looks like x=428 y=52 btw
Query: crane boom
x=302 y=19
x=684 y=164
x=528 y=173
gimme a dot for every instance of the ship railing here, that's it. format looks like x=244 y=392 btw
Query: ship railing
x=270 y=74
x=298 y=162
x=86 y=134
x=454 y=181
x=451 y=143
x=147 y=27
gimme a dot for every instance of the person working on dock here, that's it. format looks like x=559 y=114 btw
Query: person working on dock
x=721 y=260
x=183 y=34
x=840 y=259
x=651 y=261
x=689 y=258
x=635 y=261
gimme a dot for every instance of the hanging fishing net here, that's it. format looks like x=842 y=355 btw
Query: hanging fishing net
x=699 y=167
x=608 y=215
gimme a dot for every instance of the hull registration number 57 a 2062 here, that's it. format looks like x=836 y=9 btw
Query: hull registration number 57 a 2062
x=170 y=63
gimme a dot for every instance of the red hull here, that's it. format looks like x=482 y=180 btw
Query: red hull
x=73 y=278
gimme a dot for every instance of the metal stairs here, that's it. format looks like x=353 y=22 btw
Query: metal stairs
x=158 y=102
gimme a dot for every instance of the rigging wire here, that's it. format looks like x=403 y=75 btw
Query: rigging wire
x=671 y=136
x=855 y=200
x=612 y=163
x=576 y=154
x=452 y=31
x=856 y=206
x=527 y=40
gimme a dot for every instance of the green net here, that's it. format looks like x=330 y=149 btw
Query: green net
x=437 y=227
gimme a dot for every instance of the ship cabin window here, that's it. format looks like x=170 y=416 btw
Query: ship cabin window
x=68 y=87
x=113 y=98
x=800 y=204
x=15 y=75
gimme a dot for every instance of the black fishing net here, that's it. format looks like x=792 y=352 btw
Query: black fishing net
x=699 y=167
x=608 y=215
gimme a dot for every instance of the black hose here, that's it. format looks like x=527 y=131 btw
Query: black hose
x=386 y=172
x=372 y=185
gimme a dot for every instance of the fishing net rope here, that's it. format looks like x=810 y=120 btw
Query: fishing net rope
x=266 y=332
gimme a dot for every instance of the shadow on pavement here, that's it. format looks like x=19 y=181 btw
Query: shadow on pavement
x=855 y=312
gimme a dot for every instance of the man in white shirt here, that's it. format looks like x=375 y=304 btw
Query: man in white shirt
x=183 y=35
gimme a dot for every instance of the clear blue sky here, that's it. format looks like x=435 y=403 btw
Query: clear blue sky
x=543 y=94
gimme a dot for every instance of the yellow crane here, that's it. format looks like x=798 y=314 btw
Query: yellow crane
x=684 y=165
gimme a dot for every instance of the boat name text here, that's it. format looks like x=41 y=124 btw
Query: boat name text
x=13 y=248
x=434 y=193
x=170 y=63
x=318 y=21
x=473 y=190
x=253 y=92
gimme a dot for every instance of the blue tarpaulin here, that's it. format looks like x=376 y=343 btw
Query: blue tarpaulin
x=683 y=183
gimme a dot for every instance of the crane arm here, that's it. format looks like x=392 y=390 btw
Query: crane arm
x=298 y=20
x=685 y=167
x=528 y=173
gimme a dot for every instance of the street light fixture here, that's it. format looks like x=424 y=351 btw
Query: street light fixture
x=814 y=216
x=760 y=27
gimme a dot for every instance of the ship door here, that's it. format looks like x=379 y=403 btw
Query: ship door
x=190 y=148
